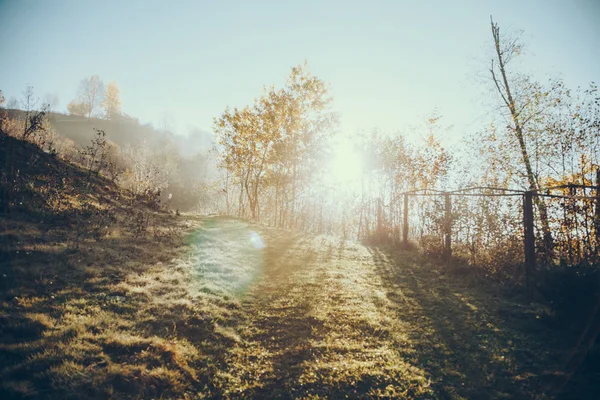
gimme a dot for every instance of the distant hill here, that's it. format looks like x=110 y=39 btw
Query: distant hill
x=124 y=132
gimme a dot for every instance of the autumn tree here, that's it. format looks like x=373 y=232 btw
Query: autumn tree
x=89 y=97
x=393 y=166
x=245 y=148
x=308 y=123
x=111 y=104
x=78 y=109
x=276 y=142
x=149 y=170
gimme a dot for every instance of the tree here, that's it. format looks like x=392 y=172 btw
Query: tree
x=28 y=104
x=504 y=54
x=89 y=97
x=306 y=124
x=149 y=170
x=245 y=148
x=111 y=104
x=2 y=99
x=276 y=143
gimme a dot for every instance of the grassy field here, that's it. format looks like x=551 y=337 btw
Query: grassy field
x=226 y=309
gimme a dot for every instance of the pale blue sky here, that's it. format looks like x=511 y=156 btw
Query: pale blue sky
x=389 y=63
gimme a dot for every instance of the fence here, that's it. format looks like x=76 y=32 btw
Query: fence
x=573 y=220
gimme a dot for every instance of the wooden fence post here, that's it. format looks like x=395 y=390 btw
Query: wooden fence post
x=448 y=227
x=405 y=221
x=529 y=239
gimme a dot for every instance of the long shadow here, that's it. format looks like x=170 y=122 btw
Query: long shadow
x=289 y=329
x=471 y=347
x=286 y=327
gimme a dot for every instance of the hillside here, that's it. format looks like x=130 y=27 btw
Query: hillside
x=67 y=237
x=122 y=131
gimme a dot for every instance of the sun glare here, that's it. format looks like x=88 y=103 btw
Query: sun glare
x=346 y=165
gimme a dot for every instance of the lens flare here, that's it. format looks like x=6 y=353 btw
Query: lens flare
x=227 y=257
x=256 y=241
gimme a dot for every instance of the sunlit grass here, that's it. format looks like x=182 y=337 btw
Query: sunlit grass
x=301 y=317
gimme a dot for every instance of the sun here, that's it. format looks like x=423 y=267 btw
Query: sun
x=346 y=165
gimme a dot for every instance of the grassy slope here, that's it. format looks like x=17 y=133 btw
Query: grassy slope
x=65 y=246
x=211 y=313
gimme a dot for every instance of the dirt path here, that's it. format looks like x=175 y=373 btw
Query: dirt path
x=322 y=318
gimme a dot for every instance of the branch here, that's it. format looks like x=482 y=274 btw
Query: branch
x=533 y=115
x=498 y=85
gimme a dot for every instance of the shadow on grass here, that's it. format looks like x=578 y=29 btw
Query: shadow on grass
x=474 y=342
x=73 y=326
x=281 y=326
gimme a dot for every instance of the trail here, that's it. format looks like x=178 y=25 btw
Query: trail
x=325 y=318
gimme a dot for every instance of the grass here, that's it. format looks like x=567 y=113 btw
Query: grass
x=71 y=326
x=211 y=313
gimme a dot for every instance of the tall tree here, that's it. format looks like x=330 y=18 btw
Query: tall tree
x=307 y=123
x=505 y=52
x=111 y=104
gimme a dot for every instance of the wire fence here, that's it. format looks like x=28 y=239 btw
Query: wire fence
x=485 y=221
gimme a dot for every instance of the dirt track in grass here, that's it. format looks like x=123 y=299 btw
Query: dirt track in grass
x=240 y=311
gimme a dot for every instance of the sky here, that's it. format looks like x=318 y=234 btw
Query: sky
x=389 y=64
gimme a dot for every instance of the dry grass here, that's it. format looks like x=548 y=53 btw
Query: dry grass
x=211 y=314
x=71 y=325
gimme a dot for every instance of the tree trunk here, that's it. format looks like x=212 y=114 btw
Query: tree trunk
x=507 y=97
x=241 y=200
x=293 y=210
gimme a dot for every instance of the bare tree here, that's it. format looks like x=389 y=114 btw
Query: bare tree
x=504 y=53
x=28 y=103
